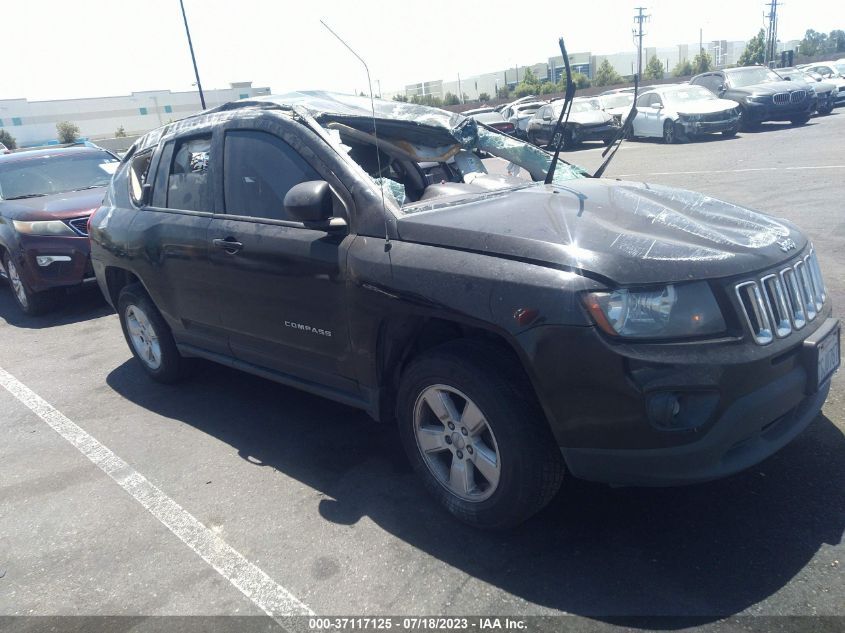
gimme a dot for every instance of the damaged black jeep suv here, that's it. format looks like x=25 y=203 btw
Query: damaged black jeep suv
x=412 y=263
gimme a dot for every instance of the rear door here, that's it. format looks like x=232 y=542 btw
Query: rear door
x=281 y=284
x=644 y=123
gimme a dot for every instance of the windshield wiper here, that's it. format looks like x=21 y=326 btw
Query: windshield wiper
x=90 y=187
x=616 y=143
x=27 y=195
x=567 y=106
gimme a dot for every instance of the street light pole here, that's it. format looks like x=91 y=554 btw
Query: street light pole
x=193 y=58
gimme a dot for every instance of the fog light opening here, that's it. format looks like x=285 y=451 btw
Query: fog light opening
x=46 y=260
x=663 y=409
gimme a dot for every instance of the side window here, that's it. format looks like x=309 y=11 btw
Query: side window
x=258 y=170
x=645 y=100
x=188 y=185
x=138 y=170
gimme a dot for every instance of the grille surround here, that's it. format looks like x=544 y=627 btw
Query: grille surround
x=780 y=98
x=80 y=225
x=779 y=303
x=797 y=96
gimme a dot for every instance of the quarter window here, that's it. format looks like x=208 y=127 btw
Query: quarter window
x=138 y=171
x=258 y=170
x=188 y=185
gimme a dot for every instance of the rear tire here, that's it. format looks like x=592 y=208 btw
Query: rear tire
x=149 y=336
x=730 y=133
x=801 y=120
x=515 y=467
x=31 y=303
x=670 y=134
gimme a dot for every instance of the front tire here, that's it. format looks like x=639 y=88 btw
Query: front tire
x=148 y=336
x=31 y=303
x=800 y=120
x=475 y=435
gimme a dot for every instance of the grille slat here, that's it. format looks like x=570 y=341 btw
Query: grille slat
x=781 y=98
x=797 y=96
x=779 y=303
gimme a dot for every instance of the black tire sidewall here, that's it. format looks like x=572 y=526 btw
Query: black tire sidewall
x=514 y=421
x=37 y=302
x=172 y=362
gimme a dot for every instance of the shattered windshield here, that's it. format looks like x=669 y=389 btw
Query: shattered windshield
x=416 y=163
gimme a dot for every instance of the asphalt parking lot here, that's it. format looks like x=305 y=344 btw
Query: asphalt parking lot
x=320 y=500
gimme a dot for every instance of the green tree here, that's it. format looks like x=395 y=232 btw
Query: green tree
x=548 y=88
x=606 y=75
x=449 y=99
x=682 y=69
x=529 y=78
x=484 y=97
x=755 y=50
x=702 y=63
x=814 y=43
x=654 y=68
x=401 y=98
x=7 y=139
x=68 y=132
x=523 y=89
x=504 y=92
x=836 y=41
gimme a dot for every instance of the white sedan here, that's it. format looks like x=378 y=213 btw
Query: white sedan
x=682 y=112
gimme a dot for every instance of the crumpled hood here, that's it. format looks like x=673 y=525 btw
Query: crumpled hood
x=61 y=206
x=629 y=233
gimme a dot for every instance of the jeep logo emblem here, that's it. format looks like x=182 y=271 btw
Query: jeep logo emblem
x=786 y=244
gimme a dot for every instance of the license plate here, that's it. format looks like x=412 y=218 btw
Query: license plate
x=828 y=357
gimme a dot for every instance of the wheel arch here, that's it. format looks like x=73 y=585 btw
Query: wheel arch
x=402 y=340
x=116 y=279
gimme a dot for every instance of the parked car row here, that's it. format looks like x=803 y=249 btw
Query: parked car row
x=394 y=273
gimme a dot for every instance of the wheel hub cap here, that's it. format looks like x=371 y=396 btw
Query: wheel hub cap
x=143 y=337
x=456 y=443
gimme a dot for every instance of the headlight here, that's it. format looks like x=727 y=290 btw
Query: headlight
x=44 y=227
x=690 y=117
x=758 y=98
x=671 y=311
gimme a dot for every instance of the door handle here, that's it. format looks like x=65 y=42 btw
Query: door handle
x=230 y=245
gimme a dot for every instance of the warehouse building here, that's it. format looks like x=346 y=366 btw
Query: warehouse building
x=34 y=122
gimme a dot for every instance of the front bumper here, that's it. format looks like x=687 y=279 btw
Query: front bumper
x=753 y=428
x=760 y=112
x=594 y=133
x=72 y=271
x=710 y=127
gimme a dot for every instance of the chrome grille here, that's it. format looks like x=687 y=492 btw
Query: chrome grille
x=80 y=225
x=797 y=96
x=781 y=98
x=780 y=302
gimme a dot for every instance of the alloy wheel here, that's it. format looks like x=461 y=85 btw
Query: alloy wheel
x=143 y=336
x=17 y=284
x=456 y=443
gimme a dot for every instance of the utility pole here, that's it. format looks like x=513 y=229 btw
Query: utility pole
x=638 y=34
x=193 y=59
x=772 y=35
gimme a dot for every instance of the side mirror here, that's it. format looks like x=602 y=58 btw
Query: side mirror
x=309 y=201
x=787 y=78
x=657 y=106
x=722 y=89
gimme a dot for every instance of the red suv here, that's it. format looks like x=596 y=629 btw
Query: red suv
x=46 y=198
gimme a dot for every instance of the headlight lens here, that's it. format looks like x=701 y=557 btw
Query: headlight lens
x=44 y=227
x=758 y=98
x=672 y=311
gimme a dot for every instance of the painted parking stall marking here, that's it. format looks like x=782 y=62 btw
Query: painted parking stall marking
x=254 y=583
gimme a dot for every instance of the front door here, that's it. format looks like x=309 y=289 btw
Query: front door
x=281 y=285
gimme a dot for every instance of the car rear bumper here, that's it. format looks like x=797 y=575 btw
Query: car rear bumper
x=70 y=265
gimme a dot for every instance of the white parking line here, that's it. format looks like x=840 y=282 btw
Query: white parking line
x=730 y=171
x=269 y=596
